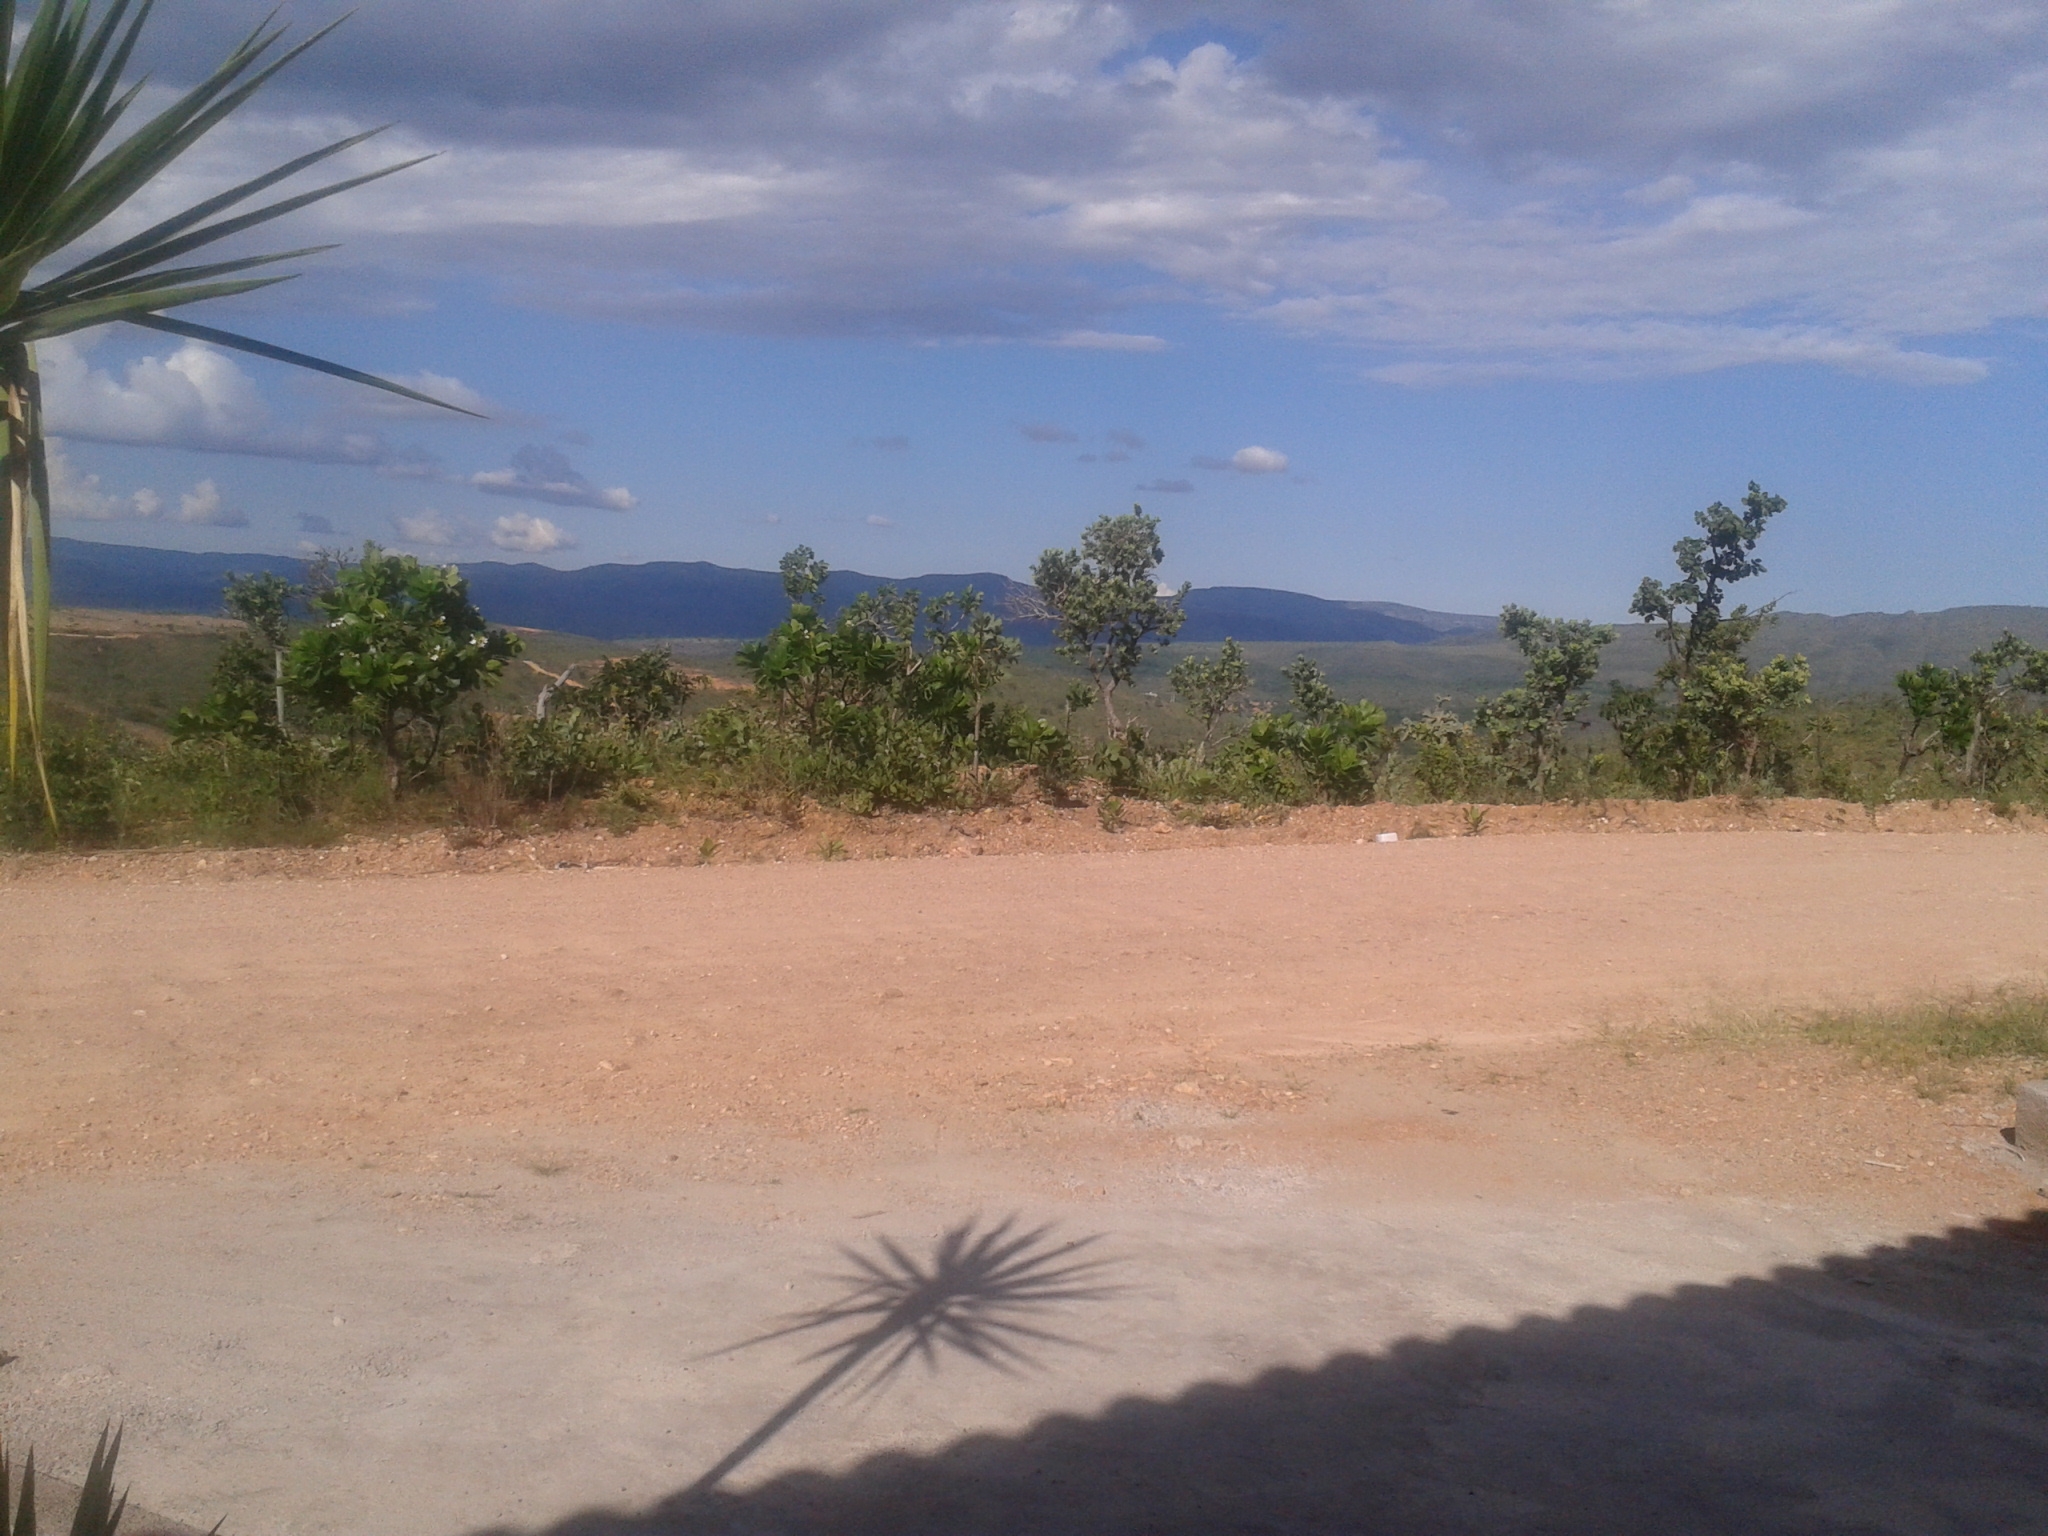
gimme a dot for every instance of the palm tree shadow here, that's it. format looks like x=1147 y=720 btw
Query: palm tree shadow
x=982 y=1293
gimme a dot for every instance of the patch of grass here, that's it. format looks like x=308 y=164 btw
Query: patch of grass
x=1933 y=1038
x=831 y=850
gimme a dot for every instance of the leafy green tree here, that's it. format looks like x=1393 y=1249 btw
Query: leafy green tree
x=263 y=603
x=1973 y=714
x=1711 y=718
x=65 y=174
x=1322 y=748
x=1451 y=761
x=638 y=692
x=1107 y=609
x=246 y=698
x=892 y=698
x=1314 y=699
x=1526 y=726
x=1695 y=623
x=399 y=645
x=1211 y=687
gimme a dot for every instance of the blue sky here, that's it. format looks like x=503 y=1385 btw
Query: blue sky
x=1453 y=305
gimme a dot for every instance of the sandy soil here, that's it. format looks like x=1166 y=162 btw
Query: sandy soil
x=461 y=1186
x=694 y=834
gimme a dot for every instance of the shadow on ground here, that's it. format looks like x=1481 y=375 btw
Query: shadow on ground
x=1901 y=1390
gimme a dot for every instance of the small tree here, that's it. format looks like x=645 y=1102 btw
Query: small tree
x=1211 y=687
x=1707 y=567
x=247 y=695
x=1527 y=725
x=1104 y=602
x=1973 y=714
x=889 y=700
x=1710 y=717
x=401 y=643
x=638 y=691
x=262 y=602
x=1324 y=747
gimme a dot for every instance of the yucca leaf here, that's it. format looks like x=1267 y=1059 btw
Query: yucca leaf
x=132 y=306
x=169 y=250
x=278 y=354
x=201 y=211
x=50 y=295
x=144 y=155
x=61 y=177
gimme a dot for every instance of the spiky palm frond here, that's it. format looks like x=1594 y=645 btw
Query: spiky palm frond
x=63 y=174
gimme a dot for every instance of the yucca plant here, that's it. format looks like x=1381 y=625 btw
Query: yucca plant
x=62 y=176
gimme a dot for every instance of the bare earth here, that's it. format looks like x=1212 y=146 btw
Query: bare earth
x=435 y=1202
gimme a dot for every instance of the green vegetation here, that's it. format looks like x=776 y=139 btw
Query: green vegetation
x=1105 y=604
x=2006 y=1027
x=1971 y=1040
x=66 y=175
x=1711 y=722
x=383 y=698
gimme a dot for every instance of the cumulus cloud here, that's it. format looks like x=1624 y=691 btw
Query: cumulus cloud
x=1259 y=461
x=1048 y=432
x=1460 y=190
x=526 y=534
x=77 y=495
x=429 y=529
x=544 y=474
x=203 y=507
x=1247 y=461
x=194 y=397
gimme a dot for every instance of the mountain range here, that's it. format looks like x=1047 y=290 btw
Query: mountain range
x=668 y=599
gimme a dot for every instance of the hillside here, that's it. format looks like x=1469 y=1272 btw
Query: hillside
x=669 y=598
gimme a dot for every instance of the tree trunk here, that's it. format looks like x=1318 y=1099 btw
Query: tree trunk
x=1107 y=690
x=26 y=558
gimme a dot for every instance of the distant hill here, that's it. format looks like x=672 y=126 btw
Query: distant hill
x=1394 y=653
x=692 y=598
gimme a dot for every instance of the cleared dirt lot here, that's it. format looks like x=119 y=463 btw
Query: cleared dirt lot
x=461 y=1185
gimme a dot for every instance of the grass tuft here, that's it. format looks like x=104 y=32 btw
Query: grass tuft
x=2010 y=1024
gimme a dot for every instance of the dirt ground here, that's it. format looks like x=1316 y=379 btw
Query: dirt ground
x=456 y=1186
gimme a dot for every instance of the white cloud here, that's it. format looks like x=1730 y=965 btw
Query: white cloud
x=1259 y=461
x=526 y=534
x=1107 y=341
x=1248 y=461
x=876 y=520
x=545 y=474
x=81 y=496
x=202 y=507
x=195 y=397
x=1462 y=190
x=429 y=529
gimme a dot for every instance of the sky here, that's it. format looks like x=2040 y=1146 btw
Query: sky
x=1454 y=304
